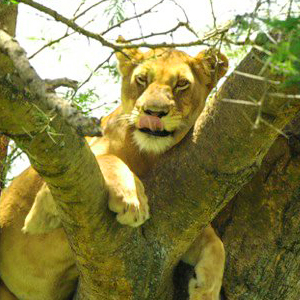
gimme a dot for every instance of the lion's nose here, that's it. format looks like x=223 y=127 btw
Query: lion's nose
x=156 y=112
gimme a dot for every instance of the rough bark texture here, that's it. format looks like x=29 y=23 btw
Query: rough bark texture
x=260 y=229
x=186 y=190
x=3 y=153
x=8 y=17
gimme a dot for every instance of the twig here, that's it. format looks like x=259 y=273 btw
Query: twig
x=85 y=11
x=265 y=66
x=260 y=106
x=51 y=43
x=257 y=6
x=244 y=102
x=117 y=46
x=172 y=30
x=147 y=11
x=137 y=18
x=182 y=9
x=79 y=7
x=290 y=8
x=95 y=70
x=187 y=21
x=261 y=49
x=37 y=87
x=282 y=95
x=213 y=13
x=255 y=77
x=58 y=40
x=274 y=128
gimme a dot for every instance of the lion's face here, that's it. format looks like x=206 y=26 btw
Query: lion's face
x=163 y=93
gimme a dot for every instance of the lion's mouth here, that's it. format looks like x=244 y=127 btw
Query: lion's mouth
x=161 y=133
x=152 y=125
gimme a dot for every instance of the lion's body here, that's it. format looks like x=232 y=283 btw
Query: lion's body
x=163 y=93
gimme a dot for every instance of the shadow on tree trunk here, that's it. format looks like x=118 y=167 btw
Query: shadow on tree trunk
x=261 y=227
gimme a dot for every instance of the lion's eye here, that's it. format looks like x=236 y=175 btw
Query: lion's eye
x=182 y=84
x=141 y=80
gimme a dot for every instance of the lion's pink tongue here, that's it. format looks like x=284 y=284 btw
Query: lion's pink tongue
x=151 y=122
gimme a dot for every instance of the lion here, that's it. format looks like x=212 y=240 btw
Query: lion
x=163 y=93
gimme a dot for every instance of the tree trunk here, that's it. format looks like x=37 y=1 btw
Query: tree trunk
x=222 y=154
x=8 y=18
x=261 y=228
x=3 y=154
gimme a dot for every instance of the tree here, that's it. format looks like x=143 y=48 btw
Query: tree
x=8 y=17
x=225 y=150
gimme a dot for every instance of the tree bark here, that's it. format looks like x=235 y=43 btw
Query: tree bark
x=8 y=18
x=215 y=161
x=260 y=229
x=3 y=154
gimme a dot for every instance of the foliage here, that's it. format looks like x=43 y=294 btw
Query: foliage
x=112 y=70
x=281 y=36
x=285 y=58
x=83 y=101
x=115 y=11
x=14 y=153
x=8 y=2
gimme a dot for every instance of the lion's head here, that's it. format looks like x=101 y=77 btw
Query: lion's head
x=164 y=91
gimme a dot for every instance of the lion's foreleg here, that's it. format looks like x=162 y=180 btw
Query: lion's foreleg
x=42 y=217
x=126 y=192
x=207 y=255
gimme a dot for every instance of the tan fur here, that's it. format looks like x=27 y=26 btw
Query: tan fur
x=5 y=293
x=36 y=261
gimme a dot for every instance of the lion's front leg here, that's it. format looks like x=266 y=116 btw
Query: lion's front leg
x=207 y=255
x=126 y=192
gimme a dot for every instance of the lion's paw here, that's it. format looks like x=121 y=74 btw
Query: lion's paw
x=134 y=214
x=197 y=292
x=131 y=206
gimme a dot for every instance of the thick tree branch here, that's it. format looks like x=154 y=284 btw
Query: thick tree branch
x=38 y=88
x=260 y=229
x=8 y=20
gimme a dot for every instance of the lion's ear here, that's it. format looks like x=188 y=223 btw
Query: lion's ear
x=128 y=58
x=215 y=64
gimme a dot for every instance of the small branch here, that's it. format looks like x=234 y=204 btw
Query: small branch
x=244 y=102
x=261 y=49
x=172 y=30
x=51 y=43
x=282 y=95
x=209 y=35
x=149 y=10
x=137 y=18
x=213 y=13
x=260 y=106
x=279 y=131
x=95 y=70
x=70 y=23
x=37 y=87
x=290 y=8
x=256 y=77
x=183 y=11
x=52 y=84
x=116 y=46
x=79 y=7
x=85 y=11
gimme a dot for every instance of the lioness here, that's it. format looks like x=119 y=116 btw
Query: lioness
x=163 y=93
